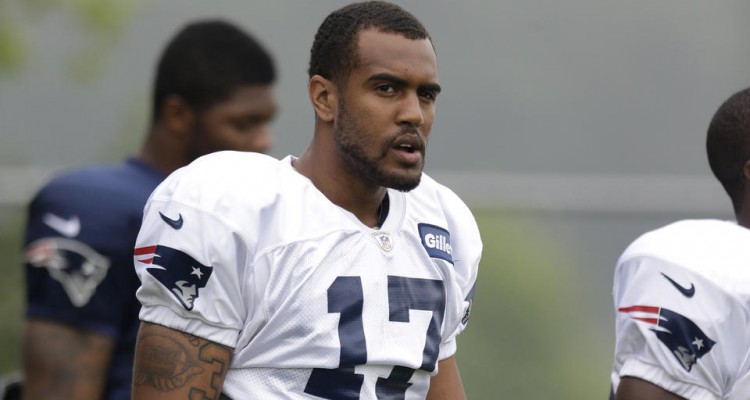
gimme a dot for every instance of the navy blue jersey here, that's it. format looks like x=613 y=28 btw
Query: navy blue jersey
x=79 y=244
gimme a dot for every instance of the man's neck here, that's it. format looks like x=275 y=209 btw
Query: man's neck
x=159 y=153
x=346 y=190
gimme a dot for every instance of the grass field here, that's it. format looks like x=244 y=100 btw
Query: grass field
x=532 y=334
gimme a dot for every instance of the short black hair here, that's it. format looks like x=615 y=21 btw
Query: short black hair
x=334 y=51
x=728 y=145
x=206 y=61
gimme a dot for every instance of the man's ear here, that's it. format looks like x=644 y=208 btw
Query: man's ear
x=324 y=97
x=177 y=115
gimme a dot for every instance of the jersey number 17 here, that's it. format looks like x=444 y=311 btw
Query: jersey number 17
x=345 y=297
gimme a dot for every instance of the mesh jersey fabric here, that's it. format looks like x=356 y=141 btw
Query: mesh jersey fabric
x=308 y=296
x=682 y=305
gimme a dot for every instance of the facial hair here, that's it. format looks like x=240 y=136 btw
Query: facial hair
x=352 y=141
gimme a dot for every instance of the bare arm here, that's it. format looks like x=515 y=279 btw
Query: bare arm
x=637 y=389
x=62 y=362
x=170 y=364
x=446 y=384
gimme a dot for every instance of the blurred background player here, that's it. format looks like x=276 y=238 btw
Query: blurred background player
x=343 y=274
x=682 y=292
x=213 y=90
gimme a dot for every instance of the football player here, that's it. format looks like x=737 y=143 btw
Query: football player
x=682 y=292
x=345 y=273
x=213 y=90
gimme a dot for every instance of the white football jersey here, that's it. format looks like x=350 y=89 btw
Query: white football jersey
x=240 y=249
x=682 y=305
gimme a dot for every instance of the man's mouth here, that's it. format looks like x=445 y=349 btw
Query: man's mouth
x=409 y=149
x=406 y=147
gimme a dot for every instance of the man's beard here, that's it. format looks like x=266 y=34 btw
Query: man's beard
x=352 y=141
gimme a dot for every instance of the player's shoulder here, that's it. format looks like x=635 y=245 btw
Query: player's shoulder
x=691 y=241
x=433 y=195
x=430 y=190
x=129 y=178
x=81 y=177
x=229 y=158
x=224 y=177
x=225 y=166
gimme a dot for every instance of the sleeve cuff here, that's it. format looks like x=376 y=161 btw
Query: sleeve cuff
x=164 y=316
x=659 y=377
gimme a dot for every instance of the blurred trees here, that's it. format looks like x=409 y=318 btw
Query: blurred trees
x=99 y=23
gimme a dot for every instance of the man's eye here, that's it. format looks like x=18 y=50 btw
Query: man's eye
x=386 y=88
x=249 y=122
x=428 y=95
x=241 y=124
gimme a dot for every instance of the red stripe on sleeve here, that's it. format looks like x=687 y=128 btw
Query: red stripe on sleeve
x=144 y=250
x=648 y=309
x=654 y=321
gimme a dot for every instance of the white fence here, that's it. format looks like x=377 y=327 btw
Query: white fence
x=590 y=193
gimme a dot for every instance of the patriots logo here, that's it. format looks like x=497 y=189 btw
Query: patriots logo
x=78 y=267
x=682 y=336
x=180 y=273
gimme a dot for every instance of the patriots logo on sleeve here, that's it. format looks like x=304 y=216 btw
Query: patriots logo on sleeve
x=78 y=267
x=682 y=336
x=180 y=273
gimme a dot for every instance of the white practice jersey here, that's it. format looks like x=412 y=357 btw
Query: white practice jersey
x=682 y=305
x=240 y=249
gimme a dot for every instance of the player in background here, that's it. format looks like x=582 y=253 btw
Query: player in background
x=345 y=273
x=682 y=292
x=213 y=90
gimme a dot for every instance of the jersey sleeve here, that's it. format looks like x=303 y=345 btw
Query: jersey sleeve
x=466 y=244
x=190 y=262
x=77 y=258
x=672 y=325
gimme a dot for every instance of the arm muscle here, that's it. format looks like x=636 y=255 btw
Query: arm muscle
x=174 y=365
x=446 y=384
x=63 y=362
x=631 y=388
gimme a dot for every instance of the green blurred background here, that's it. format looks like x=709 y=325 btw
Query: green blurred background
x=569 y=127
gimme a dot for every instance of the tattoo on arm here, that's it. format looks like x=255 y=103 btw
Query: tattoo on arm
x=172 y=361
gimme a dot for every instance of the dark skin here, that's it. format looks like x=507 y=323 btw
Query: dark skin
x=65 y=362
x=182 y=134
x=394 y=85
x=372 y=91
x=49 y=347
x=174 y=365
x=631 y=388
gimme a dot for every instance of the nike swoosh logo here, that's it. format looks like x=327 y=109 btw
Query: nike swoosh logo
x=70 y=227
x=174 y=223
x=685 y=291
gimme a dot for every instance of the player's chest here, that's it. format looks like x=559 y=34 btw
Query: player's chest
x=424 y=252
x=387 y=288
